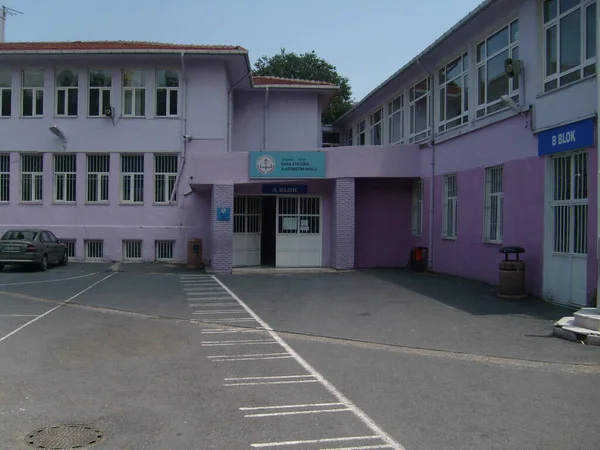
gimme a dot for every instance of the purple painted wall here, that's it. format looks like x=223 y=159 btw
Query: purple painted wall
x=592 y=274
x=383 y=222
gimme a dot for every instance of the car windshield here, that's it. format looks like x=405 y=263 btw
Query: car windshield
x=16 y=235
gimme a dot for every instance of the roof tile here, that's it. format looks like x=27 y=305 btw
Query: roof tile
x=109 y=45
x=263 y=81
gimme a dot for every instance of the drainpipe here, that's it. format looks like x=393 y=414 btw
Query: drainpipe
x=598 y=177
x=230 y=110
x=266 y=128
x=183 y=126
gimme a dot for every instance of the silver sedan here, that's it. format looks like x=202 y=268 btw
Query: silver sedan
x=32 y=247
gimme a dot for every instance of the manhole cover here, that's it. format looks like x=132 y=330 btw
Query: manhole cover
x=63 y=437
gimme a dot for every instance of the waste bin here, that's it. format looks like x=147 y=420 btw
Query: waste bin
x=511 y=274
x=194 y=253
x=418 y=259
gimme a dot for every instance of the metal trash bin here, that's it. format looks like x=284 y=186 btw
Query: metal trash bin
x=419 y=257
x=194 y=254
x=512 y=274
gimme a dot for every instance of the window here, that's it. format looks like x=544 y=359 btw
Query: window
x=419 y=111
x=134 y=93
x=5 y=93
x=247 y=214
x=99 y=95
x=349 y=138
x=33 y=93
x=132 y=250
x=417 y=207
x=570 y=41
x=65 y=176
x=167 y=92
x=454 y=99
x=132 y=178
x=4 y=178
x=164 y=250
x=298 y=215
x=492 y=82
x=32 y=169
x=94 y=249
x=98 y=171
x=165 y=175
x=70 y=243
x=360 y=133
x=396 y=120
x=450 y=207
x=376 y=124
x=494 y=205
x=66 y=93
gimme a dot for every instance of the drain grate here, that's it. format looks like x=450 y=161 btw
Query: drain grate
x=63 y=437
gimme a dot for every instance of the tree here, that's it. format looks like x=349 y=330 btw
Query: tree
x=308 y=66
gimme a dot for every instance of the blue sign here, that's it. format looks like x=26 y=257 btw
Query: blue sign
x=568 y=137
x=223 y=214
x=284 y=189
x=280 y=165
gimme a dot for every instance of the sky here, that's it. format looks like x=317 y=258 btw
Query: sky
x=366 y=40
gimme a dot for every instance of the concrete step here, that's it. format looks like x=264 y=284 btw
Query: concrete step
x=565 y=328
x=588 y=318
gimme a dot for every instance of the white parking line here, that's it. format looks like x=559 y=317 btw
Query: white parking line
x=224 y=311
x=362 y=447
x=197 y=298
x=259 y=383
x=260 y=358
x=204 y=305
x=315 y=441
x=243 y=356
x=232 y=331
x=56 y=307
x=296 y=413
x=227 y=320
x=257 y=342
x=54 y=280
x=389 y=440
x=279 y=377
x=306 y=405
x=19 y=315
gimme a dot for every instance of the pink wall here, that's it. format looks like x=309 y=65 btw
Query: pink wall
x=592 y=275
x=383 y=214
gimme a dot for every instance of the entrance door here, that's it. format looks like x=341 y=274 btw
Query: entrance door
x=565 y=274
x=269 y=231
x=246 y=231
x=299 y=240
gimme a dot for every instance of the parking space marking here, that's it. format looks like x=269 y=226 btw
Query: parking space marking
x=296 y=413
x=56 y=307
x=362 y=447
x=242 y=342
x=243 y=356
x=277 y=377
x=204 y=305
x=306 y=405
x=54 y=280
x=315 y=441
x=259 y=358
x=19 y=315
x=259 y=383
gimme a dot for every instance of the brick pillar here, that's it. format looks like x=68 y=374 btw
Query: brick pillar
x=342 y=223
x=221 y=231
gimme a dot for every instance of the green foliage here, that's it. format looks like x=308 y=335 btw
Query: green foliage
x=308 y=66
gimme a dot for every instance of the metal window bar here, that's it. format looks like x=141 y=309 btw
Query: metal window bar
x=94 y=249
x=287 y=220
x=165 y=175
x=310 y=215
x=132 y=250
x=494 y=204
x=32 y=169
x=417 y=207
x=132 y=178
x=65 y=178
x=4 y=178
x=247 y=215
x=569 y=203
x=449 y=220
x=164 y=250
x=70 y=243
x=98 y=174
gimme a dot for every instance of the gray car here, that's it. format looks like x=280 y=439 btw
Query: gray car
x=32 y=247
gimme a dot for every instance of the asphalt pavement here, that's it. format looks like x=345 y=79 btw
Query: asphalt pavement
x=157 y=357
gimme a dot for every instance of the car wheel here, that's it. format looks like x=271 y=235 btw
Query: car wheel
x=64 y=260
x=44 y=263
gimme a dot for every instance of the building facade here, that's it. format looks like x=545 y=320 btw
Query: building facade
x=485 y=139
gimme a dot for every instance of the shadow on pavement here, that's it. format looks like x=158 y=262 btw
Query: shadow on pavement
x=470 y=296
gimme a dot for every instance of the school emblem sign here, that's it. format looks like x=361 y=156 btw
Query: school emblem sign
x=282 y=165
x=265 y=164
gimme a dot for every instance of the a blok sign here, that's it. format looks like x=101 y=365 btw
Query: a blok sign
x=286 y=165
x=574 y=136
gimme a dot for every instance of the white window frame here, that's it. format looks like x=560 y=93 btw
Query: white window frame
x=375 y=124
x=417 y=207
x=93 y=244
x=164 y=246
x=65 y=178
x=391 y=116
x=65 y=91
x=6 y=88
x=417 y=136
x=361 y=133
x=98 y=176
x=494 y=189
x=4 y=177
x=486 y=107
x=349 y=137
x=36 y=91
x=460 y=80
x=134 y=91
x=100 y=90
x=450 y=207
x=133 y=247
x=553 y=81
x=168 y=90
x=32 y=165
x=165 y=167
x=132 y=171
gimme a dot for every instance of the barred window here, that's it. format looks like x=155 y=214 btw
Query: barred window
x=98 y=174
x=65 y=178
x=4 y=178
x=165 y=175
x=32 y=173
x=132 y=178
